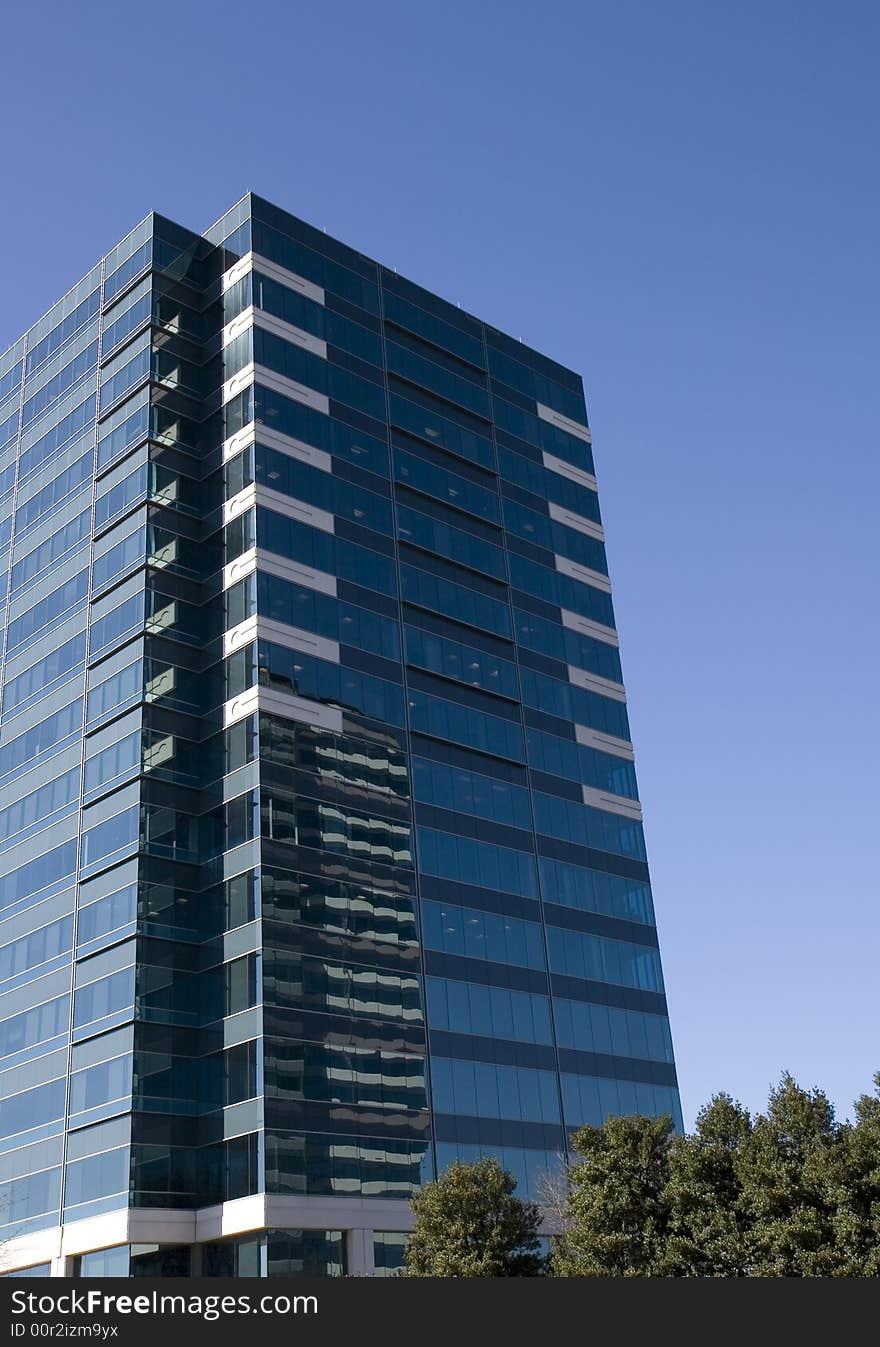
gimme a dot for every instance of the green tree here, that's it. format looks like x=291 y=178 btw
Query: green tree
x=784 y=1201
x=617 y=1218
x=848 y=1175
x=707 y=1230
x=791 y=1192
x=469 y=1224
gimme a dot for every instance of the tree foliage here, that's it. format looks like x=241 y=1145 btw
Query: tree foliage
x=469 y=1224
x=791 y=1192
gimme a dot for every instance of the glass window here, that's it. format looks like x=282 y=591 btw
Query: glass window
x=554 y=587
x=595 y=891
x=577 y=762
x=325 y=552
x=543 y=434
x=122 y=688
x=296 y=606
x=43 y=872
x=36 y=948
x=103 y=1263
x=456 y=601
x=594 y=958
x=294 y=308
x=484 y=1090
x=97 y=1176
x=117 y=834
x=532 y=1169
x=113 y=558
x=389 y=1252
x=57 y=665
x=470 y=793
x=573 y=703
x=33 y=1108
x=123 y=430
x=63 y=332
x=67 y=599
x=71 y=479
x=589 y=1100
x=463 y=725
x=608 y=1029
x=570 y=647
x=294 y=362
x=103 y=769
x=35 y=1026
x=587 y=827
x=60 y=383
x=304 y=423
x=111 y=913
x=465 y=663
x=548 y=485
x=454 y=544
x=493 y=1012
x=555 y=537
x=418 y=369
x=334 y=684
x=111 y=995
x=480 y=863
x=415 y=415
x=329 y=492
x=423 y=476
x=48 y=736
x=330 y=827
x=476 y=934
x=72 y=535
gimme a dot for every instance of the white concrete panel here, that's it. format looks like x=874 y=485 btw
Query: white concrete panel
x=568 y=470
x=293 y=638
x=296 y=335
x=295 y=509
x=582 y=573
x=595 y=683
x=240 y=568
x=253 y=262
x=237 y=272
x=238 y=637
x=239 y=324
x=239 y=708
x=587 y=627
x=289 y=388
x=282 y=704
x=237 y=443
x=239 y=382
x=237 y=504
x=285 y=444
x=613 y=804
x=564 y=422
x=605 y=743
x=288 y=707
x=296 y=573
x=288 y=278
x=575 y=521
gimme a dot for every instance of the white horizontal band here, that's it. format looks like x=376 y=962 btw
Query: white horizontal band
x=582 y=573
x=254 y=262
x=612 y=804
x=596 y=683
x=605 y=743
x=563 y=422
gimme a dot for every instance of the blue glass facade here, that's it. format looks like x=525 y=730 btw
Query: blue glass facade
x=321 y=858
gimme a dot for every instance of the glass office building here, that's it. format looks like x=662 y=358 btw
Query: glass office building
x=321 y=857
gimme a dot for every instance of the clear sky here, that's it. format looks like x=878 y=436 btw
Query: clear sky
x=683 y=202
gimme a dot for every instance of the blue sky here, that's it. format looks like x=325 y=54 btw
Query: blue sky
x=682 y=202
